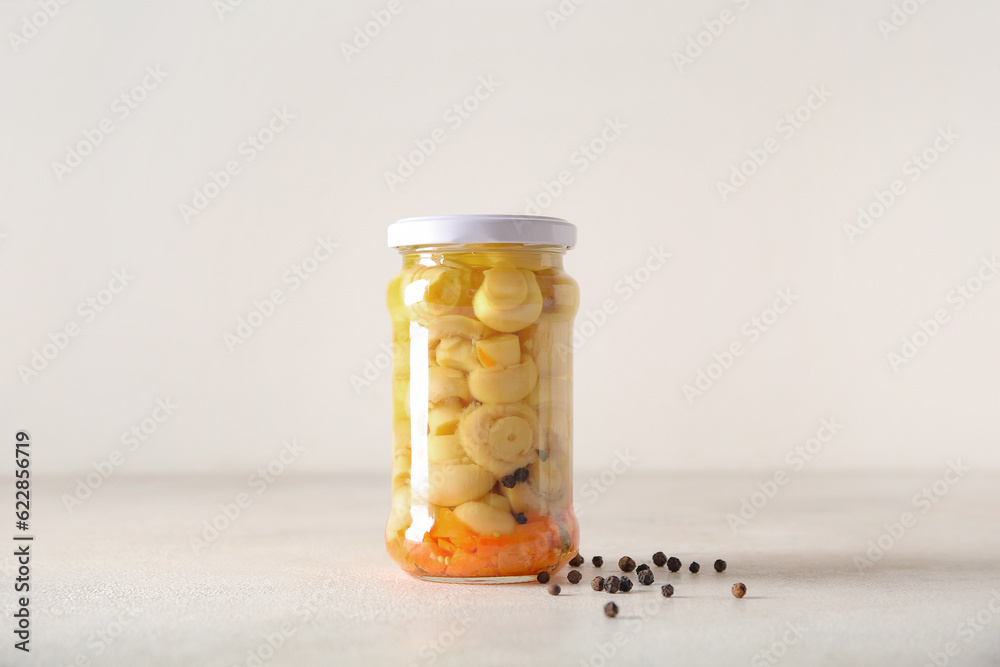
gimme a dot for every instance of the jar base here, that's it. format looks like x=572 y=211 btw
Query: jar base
x=515 y=579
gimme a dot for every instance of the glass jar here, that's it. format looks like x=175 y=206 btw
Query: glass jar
x=482 y=447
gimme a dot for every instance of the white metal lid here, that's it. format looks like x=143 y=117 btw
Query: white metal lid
x=441 y=229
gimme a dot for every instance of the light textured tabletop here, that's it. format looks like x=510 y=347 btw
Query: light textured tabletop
x=300 y=577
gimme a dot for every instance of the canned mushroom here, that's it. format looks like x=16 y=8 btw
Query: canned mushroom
x=482 y=326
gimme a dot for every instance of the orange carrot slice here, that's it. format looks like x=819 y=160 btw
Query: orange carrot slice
x=485 y=359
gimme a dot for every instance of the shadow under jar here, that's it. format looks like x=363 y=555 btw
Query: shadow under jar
x=482 y=402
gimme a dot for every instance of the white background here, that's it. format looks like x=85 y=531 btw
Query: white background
x=559 y=82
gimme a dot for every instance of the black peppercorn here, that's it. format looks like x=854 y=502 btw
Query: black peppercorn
x=640 y=568
x=574 y=576
x=626 y=584
x=597 y=561
x=597 y=583
x=509 y=481
x=611 y=610
x=554 y=589
x=576 y=561
x=667 y=590
x=520 y=518
x=521 y=474
x=645 y=577
x=612 y=584
x=739 y=590
x=720 y=565
x=543 y=577
x=673 y=563
x=694 y=567
x=626 y=564
x=659 y=559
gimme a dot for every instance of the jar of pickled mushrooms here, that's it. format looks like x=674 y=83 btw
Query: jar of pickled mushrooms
x=482 y=402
